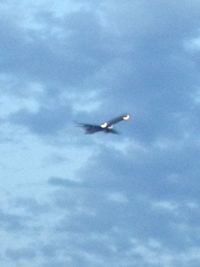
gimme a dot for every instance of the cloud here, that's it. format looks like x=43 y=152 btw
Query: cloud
x=44 y=122
x=155 y=254
x=47 y=58
x=31 y=206
x=12 y=222
x=99 y=200
x=118 y=198
x=20 y=254
x=165 y=206
x=61 y=182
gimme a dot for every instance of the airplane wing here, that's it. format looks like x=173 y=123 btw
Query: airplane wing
x=113 y=131
x=123 y=117
x=90 y=128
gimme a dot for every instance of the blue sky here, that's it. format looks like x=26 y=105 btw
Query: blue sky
x=69 y=199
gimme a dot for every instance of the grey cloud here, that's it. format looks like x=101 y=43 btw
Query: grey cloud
x=64 y=61
x=62 y=182
x=55 y=263
x=134 y=71
x=154 y=71
x=142 y=180
x=47 y=121
x=138 y=60
x=95 y=215
x=49 y=250
x=20 y=254
x=12 y=222
x=147 y=174
x=31 y=206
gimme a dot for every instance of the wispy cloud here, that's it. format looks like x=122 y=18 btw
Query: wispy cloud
x=71 y=199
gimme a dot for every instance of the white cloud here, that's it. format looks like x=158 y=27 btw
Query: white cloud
x=28 y=160
x=124 y=145
x=117 y=197
x=196 y=96
x=192 y=205
x=10 y=104
x=161 y=255
x=24 y=12
x=15 y=96
x=192 y=45
x=174 y=207
x=89 y=101
x=165 y=206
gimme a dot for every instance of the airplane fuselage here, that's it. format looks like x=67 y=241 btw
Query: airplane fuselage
x=106 y=127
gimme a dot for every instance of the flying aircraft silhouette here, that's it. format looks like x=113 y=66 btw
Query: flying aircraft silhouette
x=106 y=127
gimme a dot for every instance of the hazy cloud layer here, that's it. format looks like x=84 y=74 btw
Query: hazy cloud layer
x=69 y=199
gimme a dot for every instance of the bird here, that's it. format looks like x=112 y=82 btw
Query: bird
x=106 y=127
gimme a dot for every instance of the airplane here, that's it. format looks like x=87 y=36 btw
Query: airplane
x=106 y=127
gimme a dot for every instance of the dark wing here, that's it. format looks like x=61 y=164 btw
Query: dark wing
x=90 y=128
x=123 y=117
x=113 y=131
